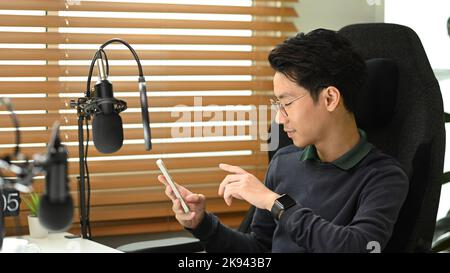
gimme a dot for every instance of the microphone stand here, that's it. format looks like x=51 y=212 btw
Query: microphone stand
x=84 y=219
x=83 y=115
x=88 y=106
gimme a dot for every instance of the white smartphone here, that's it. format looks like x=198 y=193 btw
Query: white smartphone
x=165 y=172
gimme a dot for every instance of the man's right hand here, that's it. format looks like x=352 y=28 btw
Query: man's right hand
x=196 y=203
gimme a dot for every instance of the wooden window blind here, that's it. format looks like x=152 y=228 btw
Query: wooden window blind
x=207 y=75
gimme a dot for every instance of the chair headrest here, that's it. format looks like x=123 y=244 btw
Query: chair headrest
x=376 y=102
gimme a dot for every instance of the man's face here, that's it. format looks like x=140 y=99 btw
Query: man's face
x=305 y=119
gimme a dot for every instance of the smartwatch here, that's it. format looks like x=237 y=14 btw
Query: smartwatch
x=281 y=204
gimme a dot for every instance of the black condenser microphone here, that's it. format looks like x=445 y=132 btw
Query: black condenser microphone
x=107 y=124
x=56 y=205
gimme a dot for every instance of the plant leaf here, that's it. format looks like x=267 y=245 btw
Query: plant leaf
x=32 y=203
x=35 y=198
x=31 y=206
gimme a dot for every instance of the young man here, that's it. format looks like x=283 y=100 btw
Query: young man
x=332 y=191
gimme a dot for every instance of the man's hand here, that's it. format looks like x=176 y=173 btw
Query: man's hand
x=245 y=186
x=195 y=202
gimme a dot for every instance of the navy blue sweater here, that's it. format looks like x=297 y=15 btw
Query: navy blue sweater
x=337 y=210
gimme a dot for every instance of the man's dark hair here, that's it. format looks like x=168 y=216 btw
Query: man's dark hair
x=319 y=59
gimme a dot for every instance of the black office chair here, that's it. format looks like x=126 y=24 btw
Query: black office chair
x=401 y=110
x=410 y=126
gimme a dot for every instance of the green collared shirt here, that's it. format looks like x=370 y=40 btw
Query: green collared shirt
x=347 y=160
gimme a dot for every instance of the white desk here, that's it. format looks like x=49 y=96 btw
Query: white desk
x=54 y=243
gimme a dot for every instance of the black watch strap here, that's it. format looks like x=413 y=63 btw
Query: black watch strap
x=281 y=204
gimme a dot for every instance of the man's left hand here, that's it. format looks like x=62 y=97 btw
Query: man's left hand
x=245 y=186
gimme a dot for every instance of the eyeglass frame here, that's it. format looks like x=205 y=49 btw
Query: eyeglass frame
x=282 y=106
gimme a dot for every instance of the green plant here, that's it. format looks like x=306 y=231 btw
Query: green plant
x=32 y=202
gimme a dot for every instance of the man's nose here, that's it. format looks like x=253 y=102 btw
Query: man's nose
x=280 y=118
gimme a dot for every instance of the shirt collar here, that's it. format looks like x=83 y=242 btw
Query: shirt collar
x=347 y=160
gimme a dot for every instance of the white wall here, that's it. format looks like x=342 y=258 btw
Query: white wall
x=428 y=18
x=335 y=14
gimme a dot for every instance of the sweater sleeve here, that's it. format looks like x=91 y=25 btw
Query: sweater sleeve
x=216 y=237
x=379 y=204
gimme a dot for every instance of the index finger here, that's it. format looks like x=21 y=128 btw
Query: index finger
x=231 y=178
x=231 y=168
x=162 y=179
x=183 y=191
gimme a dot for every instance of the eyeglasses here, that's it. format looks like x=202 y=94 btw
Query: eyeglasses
x=282 y=106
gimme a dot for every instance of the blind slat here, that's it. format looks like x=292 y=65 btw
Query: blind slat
x=53 y=5
x=255 y=159
x=156 y=210
x=136 y=39
x=62 y=71
x=52 y=87
x=130 y=180
x=57 y=21
x=150 y=184
x=83 y=54
x=162 y=148
x=139 y=211
x=230 y=219
x=129 y=133
x=64 y=103
x=47 y=120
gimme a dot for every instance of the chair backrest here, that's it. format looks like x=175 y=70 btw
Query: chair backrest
x=414 y=134
x=401 y=110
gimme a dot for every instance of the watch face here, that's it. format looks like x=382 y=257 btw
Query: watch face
x=281 y=204
x=286 y=201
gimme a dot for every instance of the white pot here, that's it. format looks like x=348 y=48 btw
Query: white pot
x=36 y=229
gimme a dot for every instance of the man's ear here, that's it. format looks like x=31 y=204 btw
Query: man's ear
x=332 y=98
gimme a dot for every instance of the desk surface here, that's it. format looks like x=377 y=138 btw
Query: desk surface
x=54 y=243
